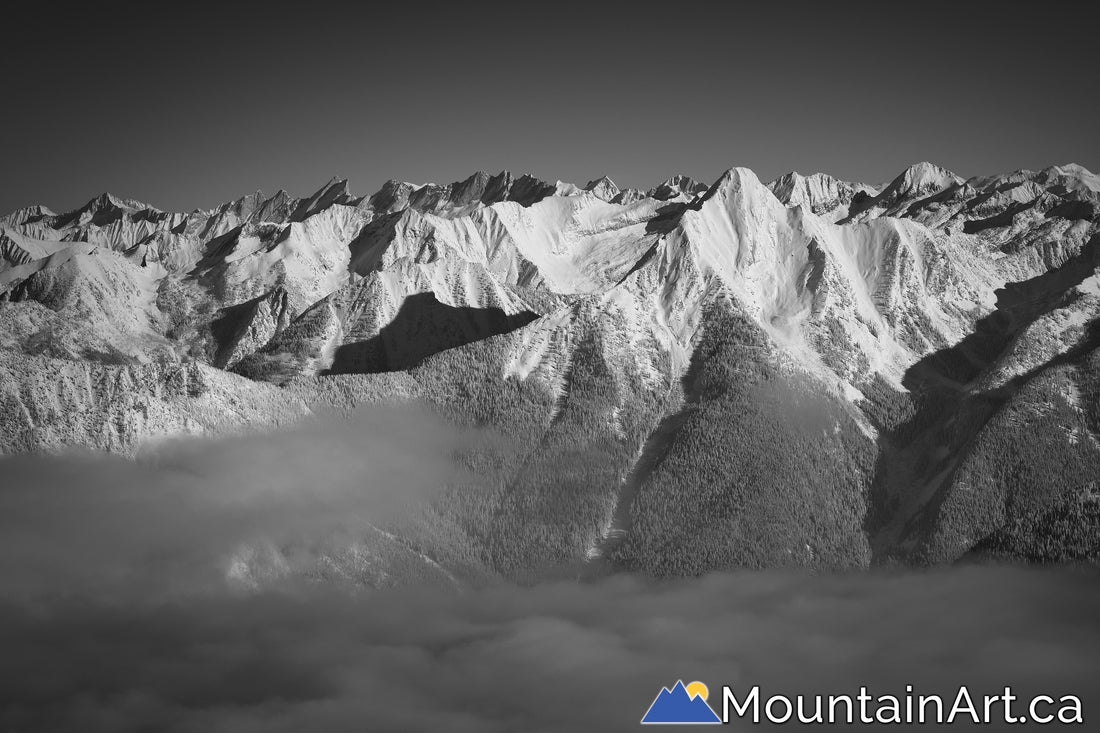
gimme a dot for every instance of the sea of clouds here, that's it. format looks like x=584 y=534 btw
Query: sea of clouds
x=116 y=612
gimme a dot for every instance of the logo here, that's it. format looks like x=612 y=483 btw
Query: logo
x=681 y=705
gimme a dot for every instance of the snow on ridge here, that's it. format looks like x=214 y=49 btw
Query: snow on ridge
x=861 y=293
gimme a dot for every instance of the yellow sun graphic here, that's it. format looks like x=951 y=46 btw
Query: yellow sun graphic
x=697 y=688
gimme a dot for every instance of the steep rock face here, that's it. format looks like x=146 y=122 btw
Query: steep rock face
x=804 y=373
x=244 y=328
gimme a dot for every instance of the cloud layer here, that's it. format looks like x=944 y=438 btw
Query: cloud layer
x=173 y=521
x=115 y=612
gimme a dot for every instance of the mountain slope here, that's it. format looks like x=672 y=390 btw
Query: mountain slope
x=809 y=372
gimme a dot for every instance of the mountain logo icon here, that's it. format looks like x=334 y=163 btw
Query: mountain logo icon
x=682 y=704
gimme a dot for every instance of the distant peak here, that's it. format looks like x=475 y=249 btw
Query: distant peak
x=1074 y=176
x=929 y=173
x=740 y=174
x=104 y=207
x=1072 y=169
x=603 y=188
x=601 y=181
x=919 y=179
x=789 y=177
x=677 y=185
x=332 y=193
x=335 y=185
x=108 y=200
x=679 y=180
x=821 y=192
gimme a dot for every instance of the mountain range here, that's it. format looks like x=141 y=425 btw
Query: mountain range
x=803 y=373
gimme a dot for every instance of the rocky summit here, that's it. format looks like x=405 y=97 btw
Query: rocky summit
x=808 y=372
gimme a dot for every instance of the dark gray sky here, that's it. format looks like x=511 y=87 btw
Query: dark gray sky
x=192 y=106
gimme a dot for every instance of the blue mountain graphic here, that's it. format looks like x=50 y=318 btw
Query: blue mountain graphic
x=676 y=706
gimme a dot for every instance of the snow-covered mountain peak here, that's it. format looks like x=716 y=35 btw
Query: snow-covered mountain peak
x=921 y=179
x=807 y=329
x=603 y=188
x=824 y=195
x=678 y=185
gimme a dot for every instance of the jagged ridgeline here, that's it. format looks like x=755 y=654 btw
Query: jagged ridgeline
x=809 y=372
